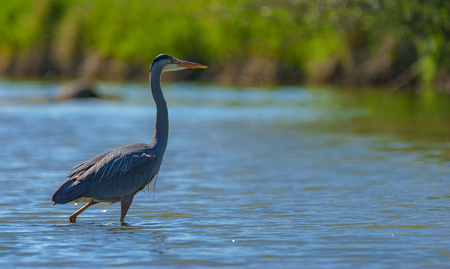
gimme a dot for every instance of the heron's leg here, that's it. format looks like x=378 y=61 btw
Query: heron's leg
x=124 y=206
x=74 y=216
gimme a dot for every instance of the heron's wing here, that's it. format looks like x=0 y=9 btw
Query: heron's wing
x=79 y=170
x=115 y=173
x=118 y=163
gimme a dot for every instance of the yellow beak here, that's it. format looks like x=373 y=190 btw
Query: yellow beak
x=192 y=65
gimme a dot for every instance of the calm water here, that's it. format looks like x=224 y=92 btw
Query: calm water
x=251 y=178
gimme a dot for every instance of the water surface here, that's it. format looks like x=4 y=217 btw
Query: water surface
x=251 y=178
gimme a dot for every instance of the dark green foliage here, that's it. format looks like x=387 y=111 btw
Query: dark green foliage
x=366 y=42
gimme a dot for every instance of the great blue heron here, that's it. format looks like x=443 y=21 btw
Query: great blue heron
x=117 y=175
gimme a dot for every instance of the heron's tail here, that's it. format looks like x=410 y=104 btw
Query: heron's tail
x=67 y=192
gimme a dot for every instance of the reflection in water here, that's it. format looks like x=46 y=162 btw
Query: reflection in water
x=250 y=178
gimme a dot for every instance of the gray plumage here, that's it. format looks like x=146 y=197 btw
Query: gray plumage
x=117 y=175
x=110 y=176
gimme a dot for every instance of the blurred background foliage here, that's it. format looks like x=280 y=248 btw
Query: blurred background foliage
x=399 y=44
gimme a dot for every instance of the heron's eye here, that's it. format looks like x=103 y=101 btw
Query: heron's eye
x=171 y=61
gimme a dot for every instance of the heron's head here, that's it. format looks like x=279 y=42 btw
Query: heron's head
x=169 y=63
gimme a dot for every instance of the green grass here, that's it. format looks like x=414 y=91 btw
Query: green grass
x=313 y=39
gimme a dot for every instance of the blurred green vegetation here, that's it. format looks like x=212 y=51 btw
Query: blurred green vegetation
x=402 y=43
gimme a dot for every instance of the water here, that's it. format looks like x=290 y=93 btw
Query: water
x=251 y=178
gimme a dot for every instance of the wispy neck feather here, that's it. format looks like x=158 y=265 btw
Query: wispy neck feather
x=162 y=118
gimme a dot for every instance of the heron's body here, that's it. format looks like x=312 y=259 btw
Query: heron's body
x=117 y=175
x=112 y=176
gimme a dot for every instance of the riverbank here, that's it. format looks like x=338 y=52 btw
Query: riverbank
x=396 y=45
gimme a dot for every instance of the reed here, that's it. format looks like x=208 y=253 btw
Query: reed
x=365 y=42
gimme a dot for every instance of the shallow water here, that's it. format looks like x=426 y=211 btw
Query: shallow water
x=251 y=178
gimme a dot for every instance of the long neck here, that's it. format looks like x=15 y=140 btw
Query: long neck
x=162 y=117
